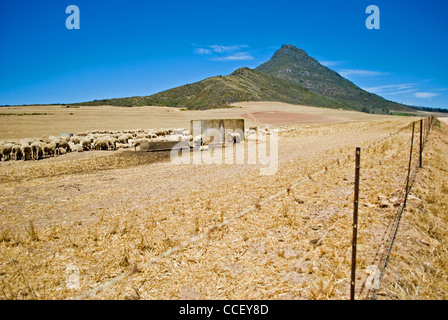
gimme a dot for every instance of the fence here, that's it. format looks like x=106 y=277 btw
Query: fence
x=424 y=126
x=413 y=166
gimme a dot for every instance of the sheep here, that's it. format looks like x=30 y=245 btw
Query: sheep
x=234 y=137
x=78 y=148
x=6 y=151
x=27 y=152
x=25 y=141
x=151 y=136
x=76 y=139
x=124 y=138
x=63 y=144
x=104 y=143
x=16 y=152
x=86 y=143
x=123 y=145
x=198 y=141
x=174 y=137
x=66 y=136
x=186 y=138
x=250 y=132
x=136 y=143
x=100 y=144
x=36 y=151
x=203 y=148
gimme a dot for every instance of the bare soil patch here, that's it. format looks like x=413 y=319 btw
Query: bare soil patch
x=289 y=118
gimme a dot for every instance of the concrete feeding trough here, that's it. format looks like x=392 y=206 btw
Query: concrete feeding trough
x=162 y=145
x=216 y=131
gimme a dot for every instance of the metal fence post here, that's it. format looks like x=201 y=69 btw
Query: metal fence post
x=421 y=141
x=410 y=158
x=355 y=224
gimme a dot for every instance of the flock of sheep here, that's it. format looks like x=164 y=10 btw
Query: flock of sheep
x=50 y=146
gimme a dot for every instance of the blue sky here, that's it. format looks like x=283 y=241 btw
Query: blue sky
x=128 y=48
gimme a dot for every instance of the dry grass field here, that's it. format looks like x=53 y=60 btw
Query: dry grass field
x=132 y=225
x=35 y=121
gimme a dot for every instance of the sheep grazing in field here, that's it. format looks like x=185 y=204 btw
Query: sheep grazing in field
x=104 y=143
x=51 y=145
x=204 y=148
x=123 y=139
x=6 y=151
x=78 y=148
x=16 y=152
x=123 y=145
x=198 y=141
x=76 y=139
x=49 y=149
x=36 y=151
x=250 y=132
x=27 y=152
x=136 y=143
x=61 y=143
x=86 y=143
x=234 y=137
x=174 y=137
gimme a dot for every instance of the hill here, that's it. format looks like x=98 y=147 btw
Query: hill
x=290 y=76
x=296 y=66
x=243 y=84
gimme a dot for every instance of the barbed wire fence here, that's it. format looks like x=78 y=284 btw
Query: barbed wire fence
x=425 y=126
x=382 y=256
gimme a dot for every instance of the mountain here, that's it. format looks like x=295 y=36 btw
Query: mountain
x=296 y=66
x=290 y=76
x=243 y=84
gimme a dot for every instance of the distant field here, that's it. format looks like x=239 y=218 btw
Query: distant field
x=445 y=119
x=35 y=121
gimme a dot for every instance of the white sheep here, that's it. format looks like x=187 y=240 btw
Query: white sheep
x=49 y=149
x=16 y=152
x=62 y=143
x=198 y=141
x=36 y=150
x=174 y=137
x=5 y=151
x=104 y=143
x=86 y=143
x=234 y=137
x=123 y=145
x=27 y=152
x=78 y=148
x=136 y=143
x=204 y=148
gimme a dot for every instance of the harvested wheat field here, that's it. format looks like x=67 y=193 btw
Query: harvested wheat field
x=132 y=225
x=35 y=121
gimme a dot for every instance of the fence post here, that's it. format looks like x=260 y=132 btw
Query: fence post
x=421 y=140
x=355 y=224
x=410 y=159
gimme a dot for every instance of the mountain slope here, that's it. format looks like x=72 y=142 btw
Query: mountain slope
x=243 y=84
x=296 y=66
x=290 y=76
